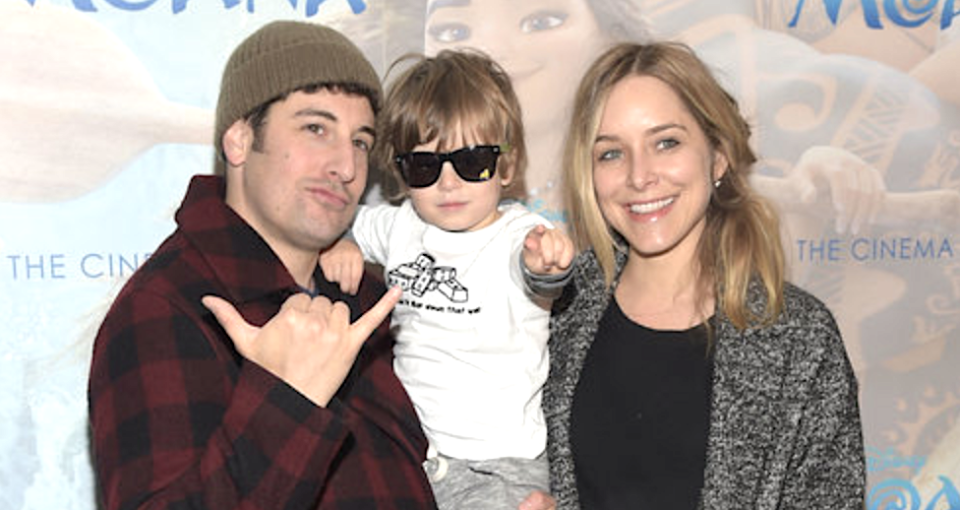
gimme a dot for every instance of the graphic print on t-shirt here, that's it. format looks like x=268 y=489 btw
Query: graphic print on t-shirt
x=421 y=276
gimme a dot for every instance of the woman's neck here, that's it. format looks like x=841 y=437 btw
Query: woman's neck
x=663 y=294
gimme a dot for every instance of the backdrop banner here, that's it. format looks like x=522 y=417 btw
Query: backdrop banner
x=106 y=111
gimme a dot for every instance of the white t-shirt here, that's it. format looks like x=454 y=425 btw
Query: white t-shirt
x=471 y=341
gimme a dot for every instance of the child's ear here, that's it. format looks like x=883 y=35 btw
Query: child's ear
x=506 y=171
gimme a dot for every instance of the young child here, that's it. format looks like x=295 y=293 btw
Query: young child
x=478 y=274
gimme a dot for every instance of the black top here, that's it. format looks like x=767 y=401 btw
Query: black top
x=641 y=415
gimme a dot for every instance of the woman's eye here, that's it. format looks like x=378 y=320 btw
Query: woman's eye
x=609 y=155
x=316 y=128
x=449 y=32
x=667 y=144
x=544 y=20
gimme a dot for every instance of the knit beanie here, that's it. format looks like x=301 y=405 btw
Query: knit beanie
x=283 y=56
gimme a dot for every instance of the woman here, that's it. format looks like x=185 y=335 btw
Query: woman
x=684 y=370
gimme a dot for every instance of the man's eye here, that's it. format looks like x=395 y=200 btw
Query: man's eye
x=449 y=32
x=542 y=21
x=316 y=128
x=363 y=145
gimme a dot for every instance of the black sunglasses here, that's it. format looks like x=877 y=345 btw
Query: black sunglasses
x=476 y=163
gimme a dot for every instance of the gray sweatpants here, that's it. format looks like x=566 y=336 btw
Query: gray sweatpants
x=496 y=484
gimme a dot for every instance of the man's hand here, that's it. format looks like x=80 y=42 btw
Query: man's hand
x=343 y=263
x=538 y=501
x=547 y=250
x=310 y=343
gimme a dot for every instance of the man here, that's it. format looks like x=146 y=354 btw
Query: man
x=299 y=410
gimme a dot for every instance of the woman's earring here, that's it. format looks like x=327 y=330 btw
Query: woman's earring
x=716 y=183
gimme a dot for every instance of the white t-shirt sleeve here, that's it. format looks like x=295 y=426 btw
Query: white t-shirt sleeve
x=521 y=222
x=371 y=231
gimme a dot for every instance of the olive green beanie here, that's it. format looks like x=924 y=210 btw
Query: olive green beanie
x=283 y=56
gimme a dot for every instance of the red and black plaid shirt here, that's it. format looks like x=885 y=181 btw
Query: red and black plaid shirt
x=181 y=420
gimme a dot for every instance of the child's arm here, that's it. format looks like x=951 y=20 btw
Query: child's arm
x=342 y=263
x=546 y=260
x=368 y=240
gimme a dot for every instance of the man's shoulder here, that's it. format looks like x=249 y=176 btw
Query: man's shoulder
x=174 y=273
x=168 y=264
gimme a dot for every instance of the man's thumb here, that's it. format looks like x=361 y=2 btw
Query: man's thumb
x=233 y=323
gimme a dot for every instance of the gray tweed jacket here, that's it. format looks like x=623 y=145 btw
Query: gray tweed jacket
x=785 y=422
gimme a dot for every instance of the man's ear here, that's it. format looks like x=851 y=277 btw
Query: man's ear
x=237 y=142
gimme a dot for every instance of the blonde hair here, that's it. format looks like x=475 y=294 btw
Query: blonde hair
x=435 y=96
x=741 y=241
